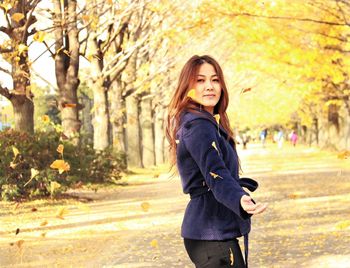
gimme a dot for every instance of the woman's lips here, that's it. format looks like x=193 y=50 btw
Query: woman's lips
x=209 y=95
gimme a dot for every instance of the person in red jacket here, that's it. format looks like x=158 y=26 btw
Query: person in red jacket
x=203 y=149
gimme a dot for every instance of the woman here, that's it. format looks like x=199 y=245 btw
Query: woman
x=202 y=147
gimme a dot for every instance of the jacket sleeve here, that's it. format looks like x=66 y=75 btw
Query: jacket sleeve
x=198 y=139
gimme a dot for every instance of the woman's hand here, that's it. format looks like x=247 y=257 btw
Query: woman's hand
x=250 y=207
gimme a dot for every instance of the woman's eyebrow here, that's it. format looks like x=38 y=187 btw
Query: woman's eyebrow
x=204 y=75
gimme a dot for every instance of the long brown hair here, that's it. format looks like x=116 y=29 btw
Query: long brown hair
x=180 y=101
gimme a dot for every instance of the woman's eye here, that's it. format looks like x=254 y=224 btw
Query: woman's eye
x=200 y=80
x=216 y=80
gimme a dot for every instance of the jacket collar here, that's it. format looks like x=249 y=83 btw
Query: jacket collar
x=199 y=113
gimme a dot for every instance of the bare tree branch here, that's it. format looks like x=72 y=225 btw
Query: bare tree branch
x=5 y=92
x=30 y=20
x=5 y=71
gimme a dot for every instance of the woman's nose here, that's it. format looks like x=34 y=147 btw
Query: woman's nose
x=209 y=85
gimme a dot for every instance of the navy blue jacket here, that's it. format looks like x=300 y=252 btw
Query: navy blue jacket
x=206 y=159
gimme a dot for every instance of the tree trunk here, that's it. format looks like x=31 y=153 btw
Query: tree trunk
x=148 y=154
x=101 y=117
x=118 y=118
x=23 y=110
x=159 y=135
x=133 y=133
x=67 y=65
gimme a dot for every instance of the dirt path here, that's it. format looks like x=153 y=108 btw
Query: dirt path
x=307 y=223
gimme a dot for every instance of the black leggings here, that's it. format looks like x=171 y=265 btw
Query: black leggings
x=214 y=254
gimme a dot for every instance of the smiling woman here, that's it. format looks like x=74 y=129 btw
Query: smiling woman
x=203 y=148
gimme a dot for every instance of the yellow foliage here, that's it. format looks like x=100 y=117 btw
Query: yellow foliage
x=61 y=165
x=60 y=149
x=154 y=243
x=17 y=17
x=39 y=36
x=145 y=206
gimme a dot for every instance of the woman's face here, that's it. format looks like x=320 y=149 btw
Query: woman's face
x=207 y=87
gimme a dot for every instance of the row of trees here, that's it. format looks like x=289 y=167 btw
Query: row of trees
x=291 y=58
x=130 y=49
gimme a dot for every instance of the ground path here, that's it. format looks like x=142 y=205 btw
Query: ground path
x=137 y=224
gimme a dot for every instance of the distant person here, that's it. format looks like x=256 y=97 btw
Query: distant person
x=204 y=150
x=280 y=138
x=294 y=138
x=245 y=140
x=263 y=136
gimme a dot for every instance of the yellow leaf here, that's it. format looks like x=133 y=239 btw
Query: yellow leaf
x=33 y=172
x=215 y=175
x=217 y=118
x=6 y=6
x=39 y=36
x=17 y=17
x=61 y=213
x=145 y=206
x=154 y=243
x=110 y=2
x=342 y=225
x=54 y=186
x=22 y=48
x=86 y=18
x=216 y=148
x=344 y=155
x=19 y=243
x=61 y=165
x=44 y=223
x=192 y=94
x=15 y=151
x=60 y=148
x=13 y=165
x=45 y=118
x=232 y=260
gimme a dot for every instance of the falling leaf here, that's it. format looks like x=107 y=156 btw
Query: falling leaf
x=44 y=223
x=45 y=118
x=344 y=155
x=60 y=148
x=61 y=165
x=217 y=118
x=342 y=225
x=216 y=148
x=246 y=90
x=39 y=36
x=17 y=17
x=154 y=243
x=215 y=175
x=192 y=94
x=232 y=260
x=61 y=212
x=33 y=172
x=54 y=186
x=69 y=105
x=19 y=243
x=145 y=206
x=17 y=231
x=15 y=151
x=34 y=209
x=13 y=165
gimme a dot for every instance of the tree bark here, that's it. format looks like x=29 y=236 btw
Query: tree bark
x=159 y=135
x=23 y=110
x=118 y=116
x=146 y=122
x=67 y=65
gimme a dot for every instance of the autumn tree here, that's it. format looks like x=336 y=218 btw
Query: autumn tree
x=19 y=19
